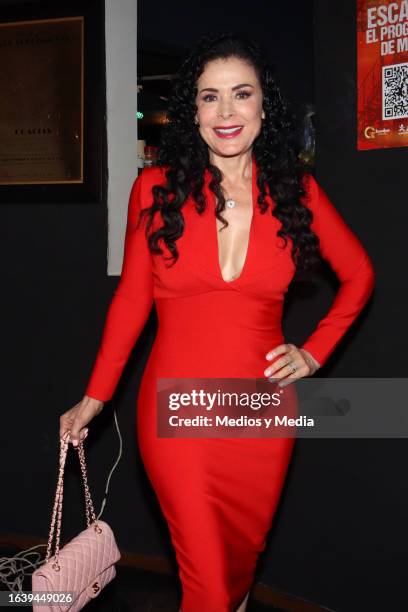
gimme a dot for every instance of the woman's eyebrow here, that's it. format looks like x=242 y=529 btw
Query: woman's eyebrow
x=233 y=89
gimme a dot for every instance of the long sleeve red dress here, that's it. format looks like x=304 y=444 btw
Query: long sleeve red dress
x=218 y=495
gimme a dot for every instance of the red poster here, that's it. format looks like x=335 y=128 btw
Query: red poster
x=382 y=66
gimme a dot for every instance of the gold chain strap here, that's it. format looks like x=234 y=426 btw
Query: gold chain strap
x=57 y=509
x=90 y=512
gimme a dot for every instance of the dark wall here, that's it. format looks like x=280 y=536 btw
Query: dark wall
x=340 y=528
x=285 y=29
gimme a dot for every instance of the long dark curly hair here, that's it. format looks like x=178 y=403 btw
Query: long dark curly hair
x=186 y=156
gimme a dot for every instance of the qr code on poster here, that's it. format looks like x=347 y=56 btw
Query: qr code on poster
x=395 y=91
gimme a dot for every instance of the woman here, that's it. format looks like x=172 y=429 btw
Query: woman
x=229 y=140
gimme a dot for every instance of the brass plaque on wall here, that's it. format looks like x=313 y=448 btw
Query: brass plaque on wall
x=42 y=101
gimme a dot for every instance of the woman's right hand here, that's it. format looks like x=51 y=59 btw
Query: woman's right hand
x=77 y=417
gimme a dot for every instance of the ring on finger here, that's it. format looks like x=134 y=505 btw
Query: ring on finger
x=293 y=367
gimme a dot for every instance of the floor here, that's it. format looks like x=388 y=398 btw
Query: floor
x=132 y=590
x=141 y=591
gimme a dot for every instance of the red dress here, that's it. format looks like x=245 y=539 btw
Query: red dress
x=218 y=495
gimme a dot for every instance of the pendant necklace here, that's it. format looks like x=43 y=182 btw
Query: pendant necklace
x=230 y=203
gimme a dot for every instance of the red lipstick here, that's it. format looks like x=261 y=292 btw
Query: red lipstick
x=228 y=131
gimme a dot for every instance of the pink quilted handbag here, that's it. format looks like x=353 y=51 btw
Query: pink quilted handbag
x=85 y=564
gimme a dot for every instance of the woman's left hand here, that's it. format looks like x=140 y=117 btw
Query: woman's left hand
x=295 y=363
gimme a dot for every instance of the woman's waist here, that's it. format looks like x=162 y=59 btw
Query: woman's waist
x=214 y=355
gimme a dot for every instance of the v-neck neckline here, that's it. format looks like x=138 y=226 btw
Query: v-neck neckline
x=215 y=255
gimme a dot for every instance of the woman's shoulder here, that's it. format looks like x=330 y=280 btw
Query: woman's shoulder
x=309 y=181
x=145 y=181
x=311 y=190
x=153 y=174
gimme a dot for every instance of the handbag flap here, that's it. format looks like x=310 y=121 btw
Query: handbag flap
x=81 y=561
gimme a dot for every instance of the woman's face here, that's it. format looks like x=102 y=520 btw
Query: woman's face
x=229 y=98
